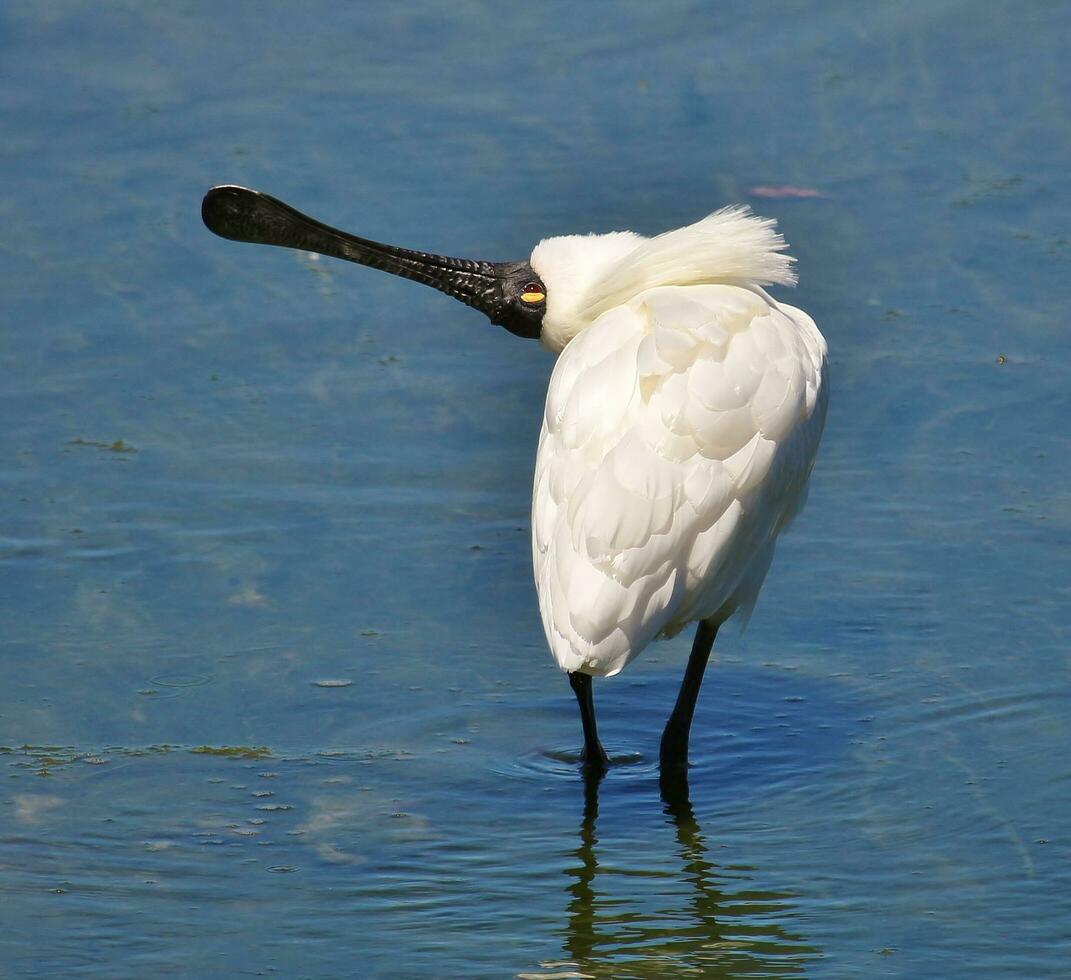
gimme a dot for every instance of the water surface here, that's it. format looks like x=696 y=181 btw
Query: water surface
x=275 y=697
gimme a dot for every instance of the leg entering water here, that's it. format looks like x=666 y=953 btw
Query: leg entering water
x=593 y=754
x=674 y=751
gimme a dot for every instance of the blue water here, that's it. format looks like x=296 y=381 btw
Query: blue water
x=274 y=697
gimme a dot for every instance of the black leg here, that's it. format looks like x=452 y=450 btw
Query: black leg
x=675 y=736
x=593 y=753
x=676 y=803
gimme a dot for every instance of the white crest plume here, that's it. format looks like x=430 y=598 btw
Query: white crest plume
x=730 y=246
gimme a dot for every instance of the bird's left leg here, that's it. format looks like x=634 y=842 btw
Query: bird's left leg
x=674 y=751
x=593 y=754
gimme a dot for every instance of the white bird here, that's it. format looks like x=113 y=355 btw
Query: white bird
x=681 y=424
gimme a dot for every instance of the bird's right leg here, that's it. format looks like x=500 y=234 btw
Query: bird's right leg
x=674 y=751
x=593 y=754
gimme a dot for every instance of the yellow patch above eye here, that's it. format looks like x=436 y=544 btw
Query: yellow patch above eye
x=533 y=297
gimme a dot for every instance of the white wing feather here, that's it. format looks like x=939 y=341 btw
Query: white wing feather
x=679 y=433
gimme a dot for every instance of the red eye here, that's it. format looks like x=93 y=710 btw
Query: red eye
x=533 y=293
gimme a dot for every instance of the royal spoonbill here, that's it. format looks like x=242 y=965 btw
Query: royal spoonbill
x=681 y=422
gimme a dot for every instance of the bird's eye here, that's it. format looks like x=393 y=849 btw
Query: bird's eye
x=533 y=293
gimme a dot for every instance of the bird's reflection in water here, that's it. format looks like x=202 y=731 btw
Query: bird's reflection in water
x=723 y=929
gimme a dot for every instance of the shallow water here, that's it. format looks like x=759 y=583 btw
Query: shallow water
x=275 y=698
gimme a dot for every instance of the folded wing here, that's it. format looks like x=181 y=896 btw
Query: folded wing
x=678 y=436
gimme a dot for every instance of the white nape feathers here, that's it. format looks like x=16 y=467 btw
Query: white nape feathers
x=585 y=275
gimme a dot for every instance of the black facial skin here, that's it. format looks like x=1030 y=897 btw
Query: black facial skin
x=517 y=316
x=493 y=288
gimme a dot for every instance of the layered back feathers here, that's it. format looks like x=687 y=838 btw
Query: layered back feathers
x=587 y=275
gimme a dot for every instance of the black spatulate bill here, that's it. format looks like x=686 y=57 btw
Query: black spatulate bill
x=493 y=288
